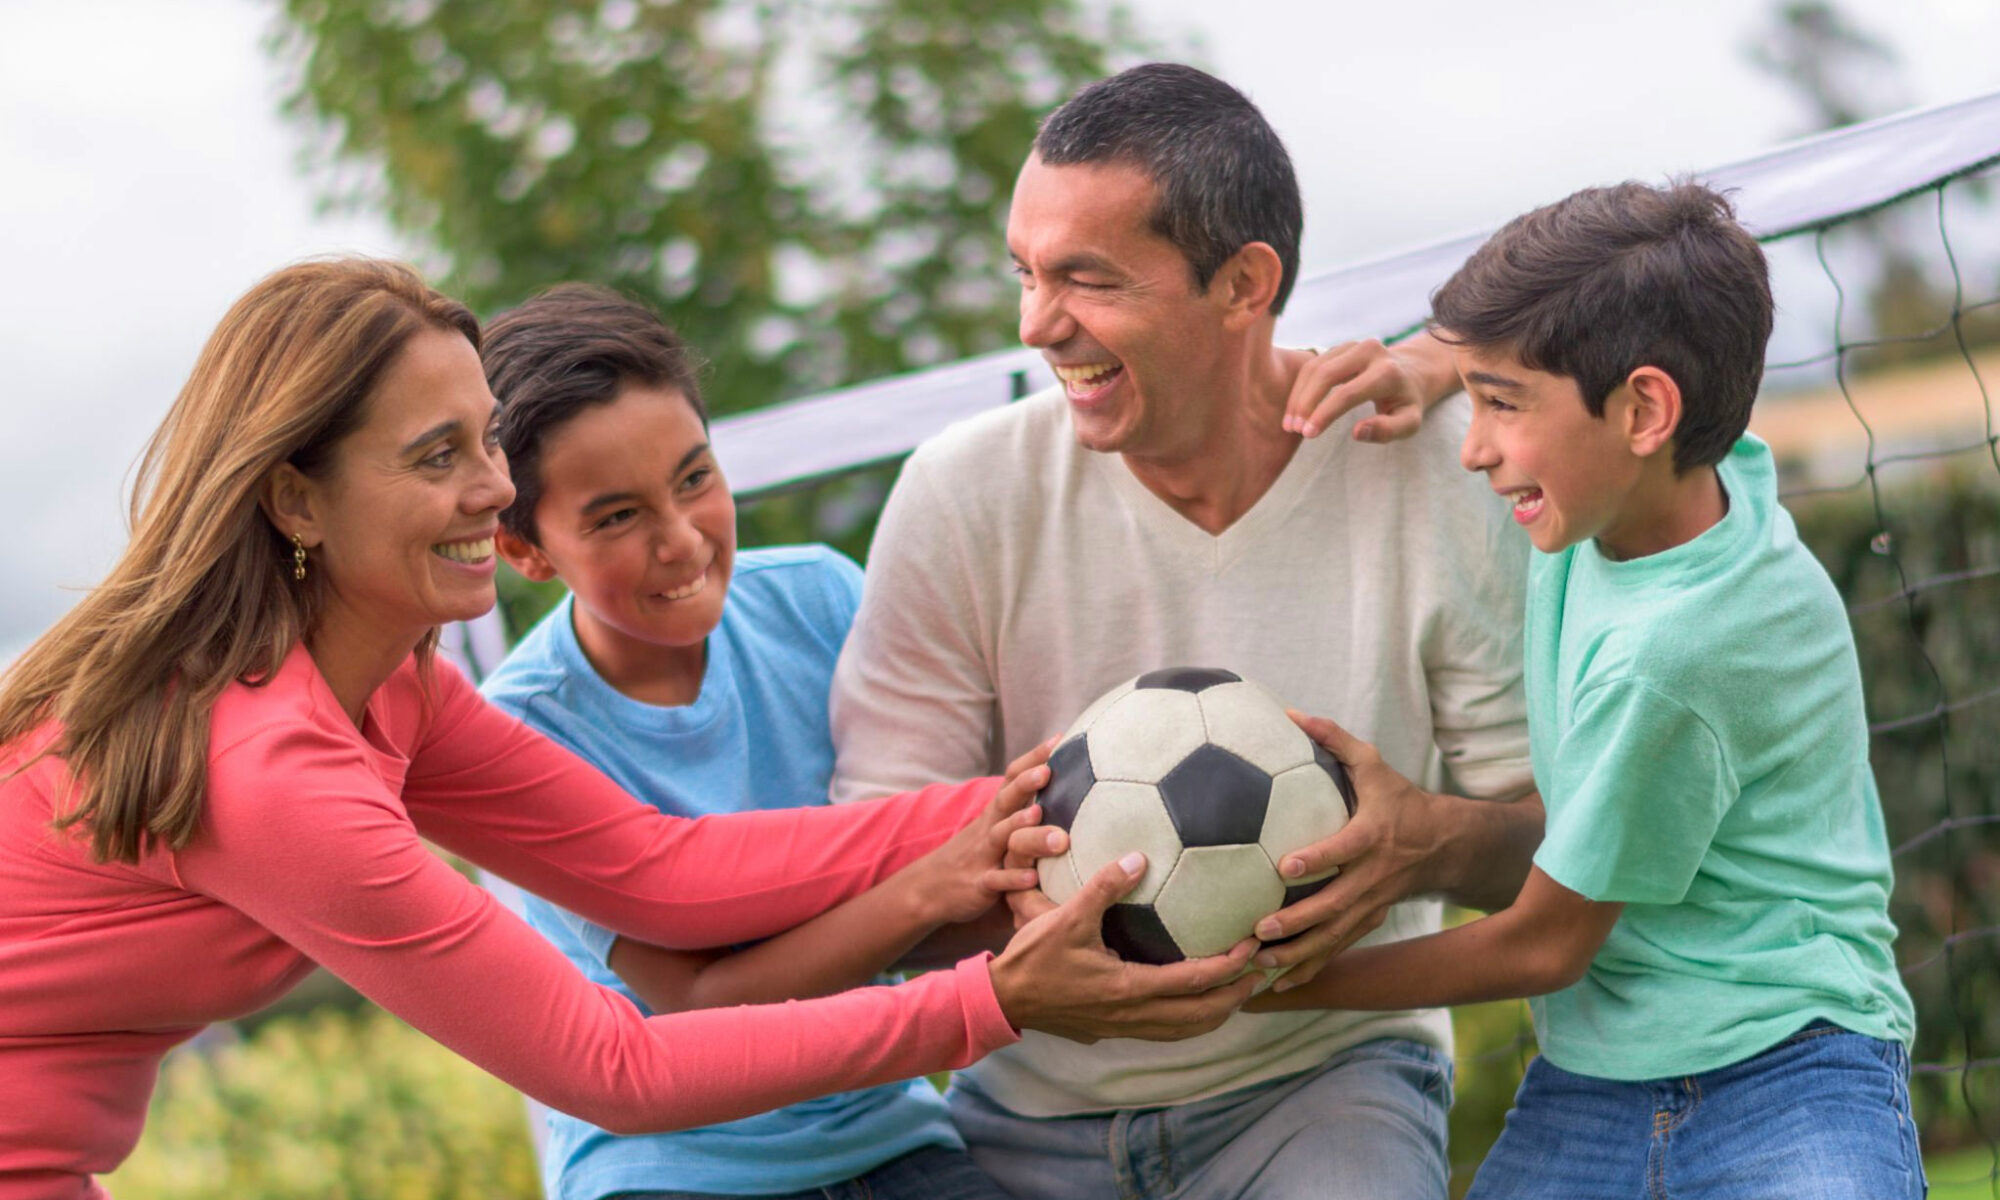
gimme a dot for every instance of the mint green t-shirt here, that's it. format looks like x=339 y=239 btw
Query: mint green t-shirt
x=1700 y=743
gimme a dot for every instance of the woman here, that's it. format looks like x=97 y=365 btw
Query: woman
x=215 y=771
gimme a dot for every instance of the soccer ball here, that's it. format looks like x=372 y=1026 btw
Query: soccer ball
x=1202 y=771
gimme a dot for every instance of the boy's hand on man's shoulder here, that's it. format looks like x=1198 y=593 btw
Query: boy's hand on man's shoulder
x=1402 y=382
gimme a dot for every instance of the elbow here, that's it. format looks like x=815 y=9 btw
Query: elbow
x=1555 y=965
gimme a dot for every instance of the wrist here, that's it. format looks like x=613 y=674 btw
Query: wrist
x=1439 y=865
x=1429 y=365
x=1006 y=990
x=920 y=890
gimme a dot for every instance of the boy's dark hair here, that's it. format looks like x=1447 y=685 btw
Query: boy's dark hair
x=1611 y=279
x=1224 y=177
x=568 y=349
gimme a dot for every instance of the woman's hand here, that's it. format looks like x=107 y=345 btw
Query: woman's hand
x=1057 y=975
x=960 y=880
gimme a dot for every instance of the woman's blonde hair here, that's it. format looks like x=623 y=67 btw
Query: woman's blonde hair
x=204 y=593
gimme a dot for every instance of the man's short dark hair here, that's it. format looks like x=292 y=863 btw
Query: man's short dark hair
x=571 y=348
x=1611 y=279
x=1223 y=176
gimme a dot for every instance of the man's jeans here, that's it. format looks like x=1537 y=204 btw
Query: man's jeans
x=931 y=1173
x=1824 y=1115
x=1369 y=1124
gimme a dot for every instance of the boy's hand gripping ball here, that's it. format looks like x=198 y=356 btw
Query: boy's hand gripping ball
x=1202 y=771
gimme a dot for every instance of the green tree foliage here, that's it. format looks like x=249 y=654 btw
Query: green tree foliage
x=812 y=193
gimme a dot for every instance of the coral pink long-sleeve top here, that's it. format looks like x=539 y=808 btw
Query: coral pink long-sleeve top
x=309 y=852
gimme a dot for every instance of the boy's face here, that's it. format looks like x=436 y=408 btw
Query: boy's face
x=635 y=517
x=1568 y=474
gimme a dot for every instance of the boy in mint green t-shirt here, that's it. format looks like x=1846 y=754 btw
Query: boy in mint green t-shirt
x=1704 y=931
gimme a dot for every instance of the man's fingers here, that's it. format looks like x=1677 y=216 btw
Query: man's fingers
x=1350 y=750
x=1314 y=861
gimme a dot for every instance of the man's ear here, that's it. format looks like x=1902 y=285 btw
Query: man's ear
x=1247 y=284
x=291 y=503
x=1654 y=411
x=524 y=556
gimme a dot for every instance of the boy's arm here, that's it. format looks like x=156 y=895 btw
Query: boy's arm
x=1404 y=841
x=848 y=945
x=1541 y=943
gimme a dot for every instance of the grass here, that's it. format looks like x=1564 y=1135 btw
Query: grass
x=1963 y=1175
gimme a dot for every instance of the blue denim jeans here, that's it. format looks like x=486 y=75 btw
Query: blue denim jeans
x=931 y=1173
x=1368 y=1124
x=1823 y=1115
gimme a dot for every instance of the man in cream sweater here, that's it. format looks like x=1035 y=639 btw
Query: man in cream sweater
x=1161 y=507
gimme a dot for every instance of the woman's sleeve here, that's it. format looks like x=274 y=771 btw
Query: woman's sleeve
x=487 y=787
x=301 y=836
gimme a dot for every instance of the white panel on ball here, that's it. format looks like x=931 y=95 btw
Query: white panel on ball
x=1144 y=734
x=1216 y=896
x=1306 y=807
x=1096 y=706
x=1118 y=818
x=1058 y=877
x=1250 y=723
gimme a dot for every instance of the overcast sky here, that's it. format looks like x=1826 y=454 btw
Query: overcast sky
x=145 y=180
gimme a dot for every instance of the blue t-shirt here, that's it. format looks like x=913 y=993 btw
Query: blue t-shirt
x=1700 y=743
x=756 y=737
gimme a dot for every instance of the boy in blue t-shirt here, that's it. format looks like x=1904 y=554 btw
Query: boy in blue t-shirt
x=1704 y=931
x=696 y=678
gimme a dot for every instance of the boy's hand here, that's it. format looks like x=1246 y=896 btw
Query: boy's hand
x=959 y=880
x=1059 y=977
x=1025 y=845
x=1380 y=853
x=1400 y=381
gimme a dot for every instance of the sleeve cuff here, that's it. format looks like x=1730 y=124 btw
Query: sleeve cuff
x=985 y=1023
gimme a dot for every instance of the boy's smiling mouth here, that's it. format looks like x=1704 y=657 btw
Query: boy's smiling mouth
x=1527 y=503
x=692 y=588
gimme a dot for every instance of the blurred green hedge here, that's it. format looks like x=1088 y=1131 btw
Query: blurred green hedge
x=330 y=1105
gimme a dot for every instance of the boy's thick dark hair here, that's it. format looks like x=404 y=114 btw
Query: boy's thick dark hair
x=1224 y=177
x=568 y=349
x=1611 y=279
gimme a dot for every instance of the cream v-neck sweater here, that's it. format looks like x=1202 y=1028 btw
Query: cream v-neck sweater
x=1015 y=576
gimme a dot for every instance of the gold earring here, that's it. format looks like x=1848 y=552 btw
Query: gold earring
x=298 y=558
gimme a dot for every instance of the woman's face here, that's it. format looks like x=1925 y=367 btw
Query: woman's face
x=402 y=522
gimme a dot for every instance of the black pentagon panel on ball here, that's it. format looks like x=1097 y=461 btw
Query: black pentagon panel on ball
x=1331 y=765
x=1216 y=798
x=1070 y=780
x=1135 y=933
x=1186 y=679
x=1300 y=891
